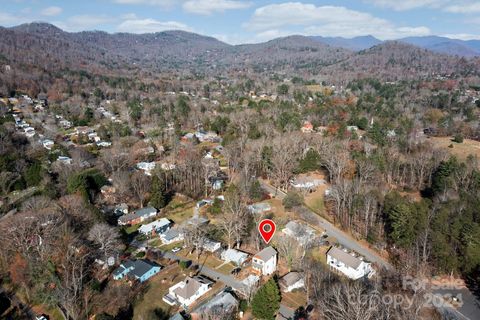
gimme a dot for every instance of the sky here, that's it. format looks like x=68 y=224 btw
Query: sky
x=252 y=21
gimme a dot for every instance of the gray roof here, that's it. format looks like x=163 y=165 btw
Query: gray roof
x=171 y=234
x=266 y=254
x=190 y=288
x=291 y=278
x=141 y=267
x=137 y=214
x=344 y=257
x=223 y=300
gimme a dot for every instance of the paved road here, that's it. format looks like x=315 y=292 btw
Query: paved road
x=342 y=238
x=284 y=312
x=470 y=304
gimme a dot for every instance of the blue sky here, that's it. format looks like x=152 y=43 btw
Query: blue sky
x=244 y=21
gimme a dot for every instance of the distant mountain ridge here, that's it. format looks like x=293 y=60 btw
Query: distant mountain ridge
x=464 y=48
x=42 y=51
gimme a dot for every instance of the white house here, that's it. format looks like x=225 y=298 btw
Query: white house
x=65 y=160
x=306 y=183
x=235 y=256
x=156 y=227
x=187 y=291
x=291 y=281
x=348 y=263
x=211 y=246
x=259 y=208
x=47 y=144
x=147 y=167
x=171 y=236
x=265 y=262
x=299 y=231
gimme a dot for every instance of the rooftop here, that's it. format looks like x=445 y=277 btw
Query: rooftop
x=266 y=254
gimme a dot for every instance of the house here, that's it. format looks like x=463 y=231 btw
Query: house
x=83 y=130
x=259 y=208
x=147 y=167
x=348 y=263
x=121 y=209
x=306 y=183
x=210 y=245
x=223 y=303
x=103 y=144
x=292 y=281
x=307 y=127
x=187 y=291
x=155 y=227
x=352 y=128
x=265 y=262
x=137 y=216
x=65 y=124
x=299 y=231
x=197 y=220
x=47 y=144
x=64 y=159
x=171 y=236
x=235 y=256
x=140 y=270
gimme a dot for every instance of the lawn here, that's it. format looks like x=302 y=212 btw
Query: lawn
x=208 y=260
x=157 y=287
x=460 y=150
x=315 y=200
x=294 y=299
x=179 y=210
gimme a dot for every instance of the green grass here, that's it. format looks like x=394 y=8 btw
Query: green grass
x=152 y=298
x=131 y=229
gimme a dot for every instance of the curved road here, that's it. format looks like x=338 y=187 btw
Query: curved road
x=342 y=238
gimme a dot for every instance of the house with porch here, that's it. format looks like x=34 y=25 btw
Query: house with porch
x=265 y=262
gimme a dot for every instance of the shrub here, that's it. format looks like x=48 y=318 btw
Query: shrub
x=458 y=138
x=292 y=199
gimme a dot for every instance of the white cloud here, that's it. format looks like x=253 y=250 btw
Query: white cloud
x=8 y=19
x=452 y=6
x=207 y=7
x=465 y=8
x=150 y=26
x=162 y=3
x=84 y=22
x=462 y=36
x=308 y=19
x=51 y=11
x=401 y=5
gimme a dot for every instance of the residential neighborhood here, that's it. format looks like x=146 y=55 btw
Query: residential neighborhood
x=272 y=174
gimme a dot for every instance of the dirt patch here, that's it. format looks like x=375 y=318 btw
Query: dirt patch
x=460 y=150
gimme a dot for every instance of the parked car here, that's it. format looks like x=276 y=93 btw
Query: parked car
x=176 y=249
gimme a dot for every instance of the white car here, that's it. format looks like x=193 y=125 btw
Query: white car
x=176 y=249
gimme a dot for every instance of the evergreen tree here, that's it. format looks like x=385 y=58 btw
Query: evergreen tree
x=266 y=301
x=158 y=195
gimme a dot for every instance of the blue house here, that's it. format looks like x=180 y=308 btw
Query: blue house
x=140 y=270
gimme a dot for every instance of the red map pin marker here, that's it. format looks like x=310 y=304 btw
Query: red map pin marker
x=267 y=229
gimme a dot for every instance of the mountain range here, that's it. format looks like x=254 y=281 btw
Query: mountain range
x=41 y=51
x=464 y=48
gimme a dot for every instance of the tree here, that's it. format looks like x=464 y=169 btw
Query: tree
x=158 y=195
x=140 y=185
x=266 y=301
x=234 y=220
x=458 y=138
x=292 y=199
x=106 y=238
x=282 y=89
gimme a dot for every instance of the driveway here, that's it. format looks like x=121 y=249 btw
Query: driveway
x=284 y=313
x=342 y=238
